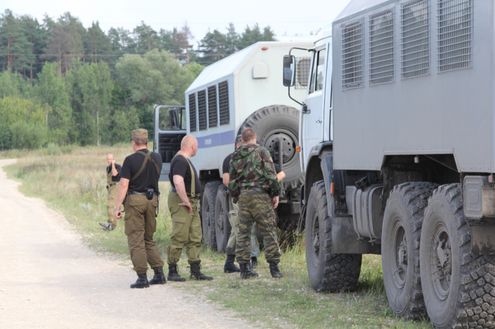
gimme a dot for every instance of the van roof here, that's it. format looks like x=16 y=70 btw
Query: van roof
x=230 y=64
x=357 y=6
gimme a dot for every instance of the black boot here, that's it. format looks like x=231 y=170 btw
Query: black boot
x=173 y=275
x=274 y=271
x=196 y=272
x=159 y=277
x=229 y=266
x=246 y=272
x=141 y=282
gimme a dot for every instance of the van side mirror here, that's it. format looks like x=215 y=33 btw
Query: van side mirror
x=288 y=74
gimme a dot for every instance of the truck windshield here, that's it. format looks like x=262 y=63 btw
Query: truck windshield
x=171 y=119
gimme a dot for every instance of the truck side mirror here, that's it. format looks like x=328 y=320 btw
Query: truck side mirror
x=288 y=74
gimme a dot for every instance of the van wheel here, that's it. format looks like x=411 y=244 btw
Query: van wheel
x=458 y=285
x=401 y=233
x=327 y=271
x=222 y=224
x=208 y=213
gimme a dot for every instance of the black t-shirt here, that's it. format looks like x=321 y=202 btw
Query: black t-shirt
x=180 y=166
x=149 y=176
x=118 y=168
x=226 y=164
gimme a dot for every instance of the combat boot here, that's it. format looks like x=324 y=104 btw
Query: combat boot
x=159 y=277
x=274 y=270
x=173 y=275
x=229 y=266
x=196 y=272
x=141 y=282
x=246 y=272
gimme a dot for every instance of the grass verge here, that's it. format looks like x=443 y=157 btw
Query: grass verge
x=72 y=181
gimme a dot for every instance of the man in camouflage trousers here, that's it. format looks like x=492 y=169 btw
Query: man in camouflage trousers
x=230 y=266
x=253 y=181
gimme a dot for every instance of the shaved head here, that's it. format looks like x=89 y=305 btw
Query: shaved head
x=109 y=158
x=189 y=145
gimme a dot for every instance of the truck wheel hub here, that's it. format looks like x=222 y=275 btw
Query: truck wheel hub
x=287 y=142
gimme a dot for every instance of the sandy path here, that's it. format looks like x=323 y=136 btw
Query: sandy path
x=49 y=279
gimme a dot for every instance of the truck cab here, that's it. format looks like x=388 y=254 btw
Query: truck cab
x=315 y=125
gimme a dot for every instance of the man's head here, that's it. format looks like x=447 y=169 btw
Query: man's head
x=110 y=158
x=139 y=137
x=189 y=145
x=248 y=136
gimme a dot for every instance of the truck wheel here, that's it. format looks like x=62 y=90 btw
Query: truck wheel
x=327 y=271
x=208 y=213
x=458 y=285
x=222 y=224
x=401 y=233
x=279 y=121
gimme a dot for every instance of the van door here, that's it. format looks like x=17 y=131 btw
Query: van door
x=312 y=131
x=169 y=124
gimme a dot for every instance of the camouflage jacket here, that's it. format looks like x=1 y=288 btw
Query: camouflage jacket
x=252 y=167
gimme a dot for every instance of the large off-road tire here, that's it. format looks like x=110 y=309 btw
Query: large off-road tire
x=222 y=224
x=401 y=234
x=327 y=271
x=458 y=285
x=208 y=213
x=275 y=121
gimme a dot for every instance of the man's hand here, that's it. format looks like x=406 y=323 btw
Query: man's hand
x=187 y=205
x=281 y=176
x=275 y=201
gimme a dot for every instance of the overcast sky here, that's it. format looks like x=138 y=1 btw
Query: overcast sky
x=287 y=18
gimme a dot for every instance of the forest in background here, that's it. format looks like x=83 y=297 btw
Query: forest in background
x=62 y=83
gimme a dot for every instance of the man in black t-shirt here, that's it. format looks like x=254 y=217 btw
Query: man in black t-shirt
x=139 y=187
x=113 y=178
x=183 y=203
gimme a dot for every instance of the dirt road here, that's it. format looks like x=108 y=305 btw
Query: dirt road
x=50 y=279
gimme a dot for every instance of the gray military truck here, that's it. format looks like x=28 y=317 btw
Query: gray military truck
x=241 y=90
x=401 y=158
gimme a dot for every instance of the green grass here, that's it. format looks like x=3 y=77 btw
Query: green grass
x=72 y=181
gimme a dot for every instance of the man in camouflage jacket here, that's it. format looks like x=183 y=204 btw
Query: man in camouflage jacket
x=253 y=181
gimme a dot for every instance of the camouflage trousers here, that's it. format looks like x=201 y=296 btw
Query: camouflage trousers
x=256 y=207
x=234 y=232
x=140 y=225
x=112 y=196
x=186 y=230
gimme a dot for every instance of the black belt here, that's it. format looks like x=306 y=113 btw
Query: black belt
x=188 y=194
x=139 y=193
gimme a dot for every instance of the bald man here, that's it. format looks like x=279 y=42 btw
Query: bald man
x=183 y=203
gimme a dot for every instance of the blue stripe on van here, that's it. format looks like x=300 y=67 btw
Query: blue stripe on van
x=225 y=138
